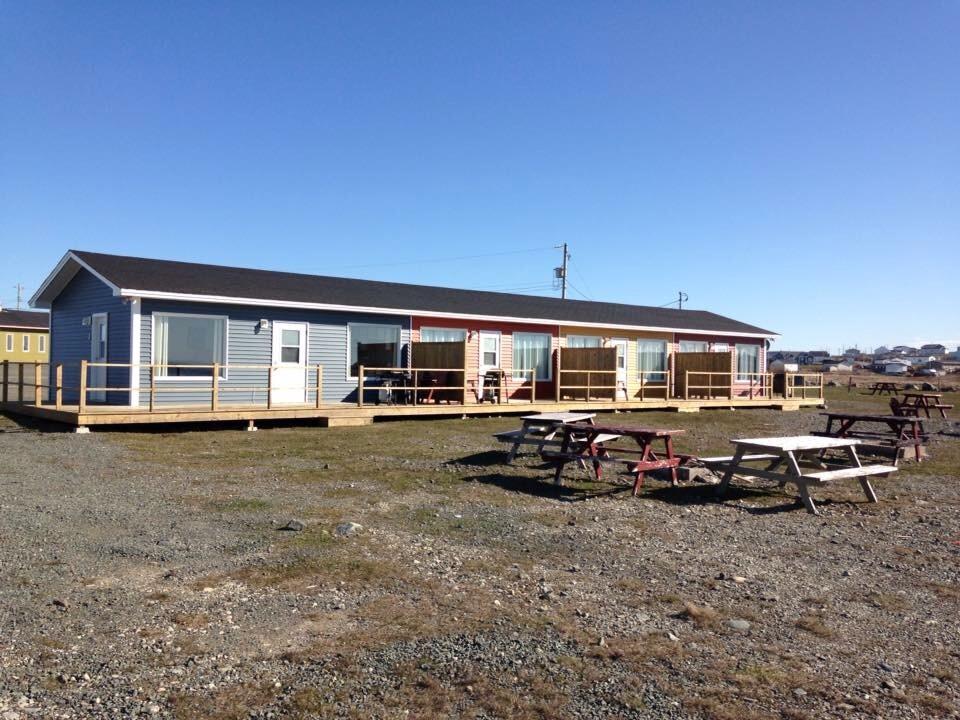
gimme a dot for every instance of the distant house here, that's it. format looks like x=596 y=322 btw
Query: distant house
x=24 y=336
x=851 y=352
x=837 y=365
x=812 y=357
x=882 y=350
x=896 y=367
x=932 y=349
x=904 y=350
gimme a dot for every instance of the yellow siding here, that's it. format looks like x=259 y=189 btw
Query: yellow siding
x=17 y=354
x=633 y=379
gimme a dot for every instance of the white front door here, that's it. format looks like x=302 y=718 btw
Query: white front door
x=97 y=377
x=289 y=363
x=621 y=345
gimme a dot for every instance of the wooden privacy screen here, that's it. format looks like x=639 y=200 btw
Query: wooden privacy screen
x=601 y=384
x=705 y=368
x=447 y=357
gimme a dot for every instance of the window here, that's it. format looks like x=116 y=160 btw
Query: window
x=42 y=343
x=584 y=341
x=748 y=361
x=693 y=346
x=9 y=342
x=489 y=350
x=442 y=335
x=531 y=350
x=373 y=346
x=720 y=347
x=652 y=360
x=290 y=346
x=26 y=343
x=191 y=341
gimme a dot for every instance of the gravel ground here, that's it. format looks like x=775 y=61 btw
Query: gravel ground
x=147 y=575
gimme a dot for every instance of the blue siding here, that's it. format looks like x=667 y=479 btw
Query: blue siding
x=248 y=344
x=70 y=337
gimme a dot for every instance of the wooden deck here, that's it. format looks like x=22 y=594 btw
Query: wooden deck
x=344 y=414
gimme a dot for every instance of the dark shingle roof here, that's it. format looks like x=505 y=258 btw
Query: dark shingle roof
x=130 y=273
x=24 y=319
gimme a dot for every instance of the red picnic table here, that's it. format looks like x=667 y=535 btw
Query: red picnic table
x=593 y=443
x=924 y=401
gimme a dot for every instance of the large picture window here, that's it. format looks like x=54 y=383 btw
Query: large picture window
x=188 y=345
x=652 y=360
x=442 y=335
x=531 y=350
x=748 y=362
x=375 y=346
x=584 y=341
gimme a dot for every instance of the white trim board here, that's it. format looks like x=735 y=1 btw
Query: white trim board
x=256 y=302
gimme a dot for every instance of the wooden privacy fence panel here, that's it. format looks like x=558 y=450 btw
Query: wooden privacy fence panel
x=24 y=382
x=709 y=374
x=587 y=373
x=450 y=384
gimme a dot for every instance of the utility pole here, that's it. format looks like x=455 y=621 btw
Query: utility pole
x=560 y=273
x=681 y=297
x=19 y=288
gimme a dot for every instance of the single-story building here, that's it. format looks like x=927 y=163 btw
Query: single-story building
x=23 y=336
x=157 y=322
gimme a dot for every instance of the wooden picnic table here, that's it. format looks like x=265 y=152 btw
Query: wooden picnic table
x=541 y=430
x=593 y=444
x=925 y=401
x=883 y=386
x=791 y=451
x=901 y=431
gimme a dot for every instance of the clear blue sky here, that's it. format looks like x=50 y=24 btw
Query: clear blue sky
x=793 y=165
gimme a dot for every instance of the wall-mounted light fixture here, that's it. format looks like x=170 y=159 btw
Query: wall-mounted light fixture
x=85 y=321
x=264 y=323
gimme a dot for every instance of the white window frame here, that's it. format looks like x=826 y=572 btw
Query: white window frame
x=524 y=373
x=9 y=344
x=660 y=375
x=719 y=347
x=26 y=342
x=41 y=344
x=351 y=325
x=745 y=377
x=224 y=374
x=590 y=337
x=499 y=337
x=681 y=343
x=466 y=333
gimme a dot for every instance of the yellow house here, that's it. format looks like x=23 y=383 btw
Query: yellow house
x=24 y=336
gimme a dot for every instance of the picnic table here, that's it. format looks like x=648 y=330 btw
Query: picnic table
x=541 y=430
x=925 y=401
x=792 y=451
x=883 y=386
x=901 y=432
x=592 y=444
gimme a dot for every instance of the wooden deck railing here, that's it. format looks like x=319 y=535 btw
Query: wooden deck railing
x=809 y=387
x=415 y=389
x=12 y=377
x=723 y=384
x=655 y=386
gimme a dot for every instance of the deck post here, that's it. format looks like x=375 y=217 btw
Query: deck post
x=82 y=403
x=319 y=385
x=215 y=388
x=533 y=386
x=270 y=387
x=6 y=380
x=20 y=383
x=153 y=386
x=59 y=386
x=466 y=388
x=360 y=385
x=559 y=371
x=37 y=399
x=589 y=374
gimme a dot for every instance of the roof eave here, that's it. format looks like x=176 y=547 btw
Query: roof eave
x=39 y=300
x=230 y=300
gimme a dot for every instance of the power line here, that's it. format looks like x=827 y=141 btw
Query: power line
x=440 y=260
x=576 y=269
x=585 y=297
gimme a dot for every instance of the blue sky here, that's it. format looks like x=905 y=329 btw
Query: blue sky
x=796 y=165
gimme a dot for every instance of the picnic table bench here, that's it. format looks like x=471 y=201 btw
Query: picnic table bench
x=792 y=451
x=900 y=432
x=593 y=444
x=925 y=401
x=541 y=430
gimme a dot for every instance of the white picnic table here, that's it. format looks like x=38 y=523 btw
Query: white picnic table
x=540 y=430
x=791 y=451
